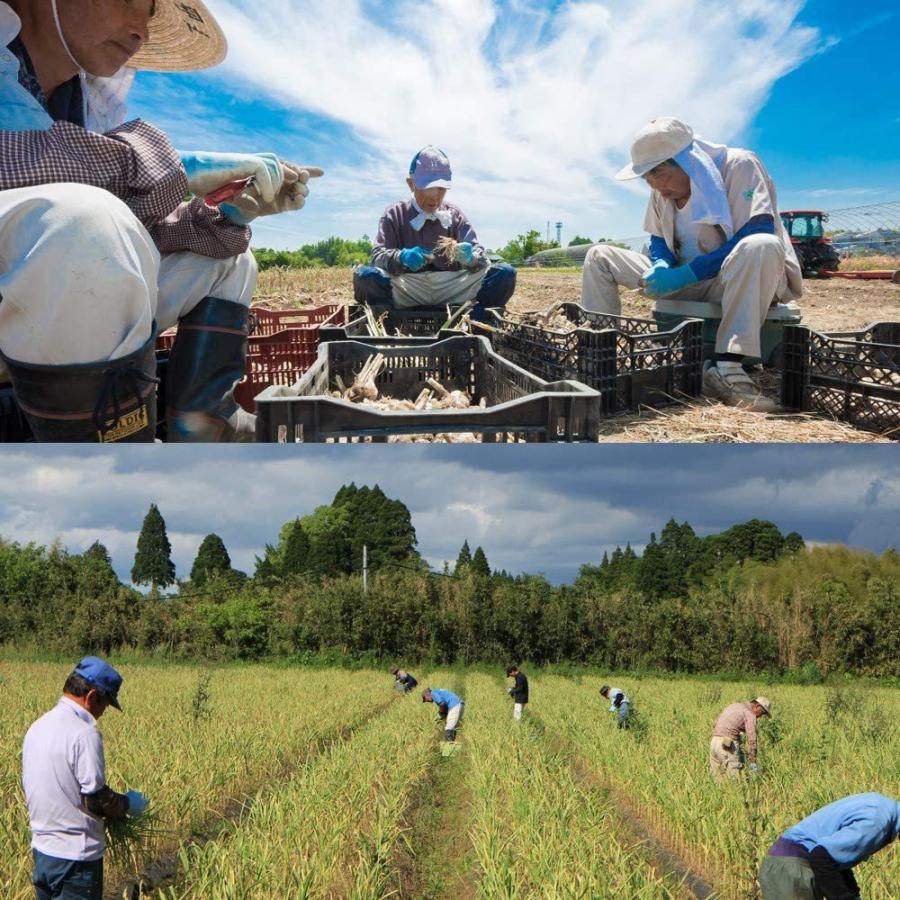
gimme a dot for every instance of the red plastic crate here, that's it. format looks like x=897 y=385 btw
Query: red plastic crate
x=276 y=359
x=283 y=344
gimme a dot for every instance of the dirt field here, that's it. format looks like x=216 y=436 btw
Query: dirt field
x=833 y=305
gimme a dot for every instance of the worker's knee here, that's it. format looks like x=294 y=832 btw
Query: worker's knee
x=234 y=278
x=86 y=220
x=599 y=255
x=758 y=246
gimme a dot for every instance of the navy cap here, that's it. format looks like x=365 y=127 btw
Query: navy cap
x=430 y=168
x=102 y=676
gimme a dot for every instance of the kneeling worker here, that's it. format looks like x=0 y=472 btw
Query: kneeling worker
x=405 y=270
x=716 y=236
x=450 y=708
x=815 y=858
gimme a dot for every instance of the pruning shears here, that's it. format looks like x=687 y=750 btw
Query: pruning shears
x=228 y=191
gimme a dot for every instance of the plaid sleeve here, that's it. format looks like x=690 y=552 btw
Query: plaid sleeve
x=202 y=229
x=136 y=162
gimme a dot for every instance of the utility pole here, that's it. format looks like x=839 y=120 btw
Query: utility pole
x=365 y=569
x=548 y=231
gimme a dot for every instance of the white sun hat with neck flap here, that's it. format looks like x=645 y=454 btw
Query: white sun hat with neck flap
x=662 y=139
x=184 y=36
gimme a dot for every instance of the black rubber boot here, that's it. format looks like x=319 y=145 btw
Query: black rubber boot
x=206 y=362
x=102 y=402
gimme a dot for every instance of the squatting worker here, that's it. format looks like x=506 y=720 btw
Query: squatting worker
x=98 y=246
x=450 y=709
x=405 y=272
x=403 y=681
x=619 y=704
x=518 y=692
x=815 y=858
x=726 y=756
x=64 y=777
x=715 y=235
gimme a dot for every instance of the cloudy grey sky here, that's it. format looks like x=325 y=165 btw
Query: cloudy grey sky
x=535 y=509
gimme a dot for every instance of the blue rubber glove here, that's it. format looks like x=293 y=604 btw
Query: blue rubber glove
x=465 y=253
x=137 y=803
x=754 y=768
x=414 y=258
x=658 y=282
x=659 y=264
x=208 y=171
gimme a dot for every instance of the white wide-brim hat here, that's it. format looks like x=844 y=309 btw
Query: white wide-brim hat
x=662 y=139
x=184 y=36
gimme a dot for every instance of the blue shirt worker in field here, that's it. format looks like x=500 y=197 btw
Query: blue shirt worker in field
x=726 y=755
x=715 y=236
x=99 y=249
x=403 y=681
x=450 y=709
x=518 y=692
x=407 y=272
x=64 y=778
x=815 y=858
x=619 y=704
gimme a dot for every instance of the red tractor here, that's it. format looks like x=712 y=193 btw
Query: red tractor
x=806 y=228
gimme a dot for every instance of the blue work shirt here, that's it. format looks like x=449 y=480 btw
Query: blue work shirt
x=851 y=829
x=439 y=696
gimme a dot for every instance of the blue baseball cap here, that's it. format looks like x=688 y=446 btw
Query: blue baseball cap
x=430 y=168
x=102 y=676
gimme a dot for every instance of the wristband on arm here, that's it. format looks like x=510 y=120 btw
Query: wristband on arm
x=106 y=803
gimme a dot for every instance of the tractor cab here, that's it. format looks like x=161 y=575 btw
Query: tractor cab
x=806 y=229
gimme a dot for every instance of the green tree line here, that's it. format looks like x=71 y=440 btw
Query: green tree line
x=749 y=599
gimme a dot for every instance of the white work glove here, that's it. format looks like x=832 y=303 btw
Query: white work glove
x=206 y=172
x=250 y=203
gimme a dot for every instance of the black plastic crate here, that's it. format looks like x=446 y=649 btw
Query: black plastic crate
x=853 y=376
x=414 y=322
x=519 y=405
x=625 y=359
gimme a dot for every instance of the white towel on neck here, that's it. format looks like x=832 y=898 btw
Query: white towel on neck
x=703 y=163
x=444 y=216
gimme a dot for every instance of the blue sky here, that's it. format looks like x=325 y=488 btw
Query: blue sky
x=534 y=509
x=536 y=103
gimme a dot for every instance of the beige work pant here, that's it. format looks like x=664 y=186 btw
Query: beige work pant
x=518 y=709
x=81 y=279
x=415 y=289
x=725 y=758
x=750 y=279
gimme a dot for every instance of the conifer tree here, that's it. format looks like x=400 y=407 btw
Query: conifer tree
x=153 y=560
x=212 y=558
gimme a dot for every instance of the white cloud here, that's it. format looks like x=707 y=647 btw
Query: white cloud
x=535 y=107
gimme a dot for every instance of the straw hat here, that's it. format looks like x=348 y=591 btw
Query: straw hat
x=183 y=36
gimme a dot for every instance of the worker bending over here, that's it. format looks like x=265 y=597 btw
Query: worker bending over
x=450 y=709
x=726 y=755
x=619 y=704
x=403 y=681
x=815 y=858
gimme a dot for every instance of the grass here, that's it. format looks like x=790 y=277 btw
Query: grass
x=351 y=798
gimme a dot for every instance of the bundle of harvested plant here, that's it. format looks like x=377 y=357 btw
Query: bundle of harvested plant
x=445 y=249
x=129 y=838
x=363 y=387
